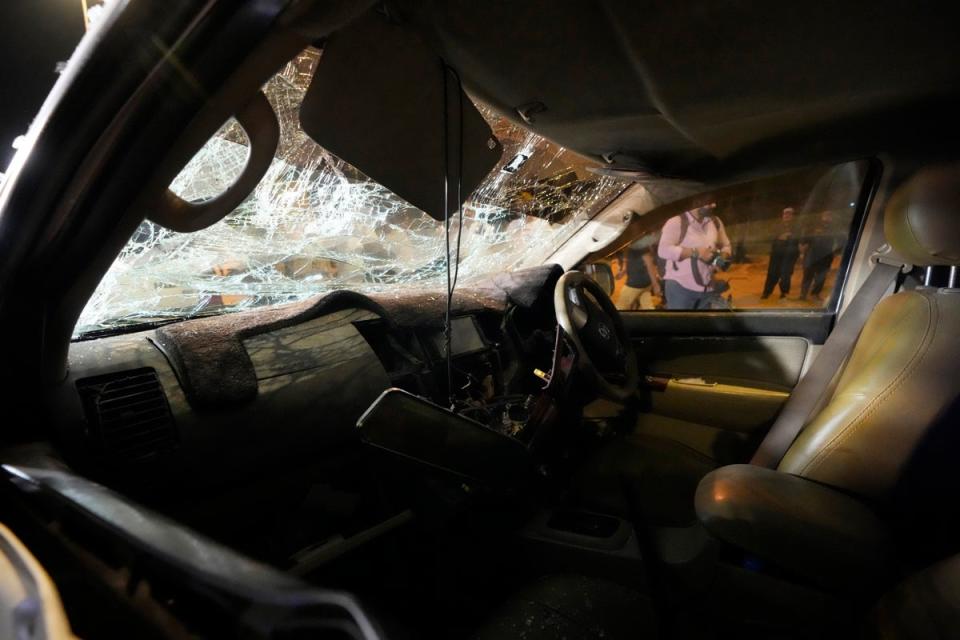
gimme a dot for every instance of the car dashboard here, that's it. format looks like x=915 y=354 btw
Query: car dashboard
x=134 y=412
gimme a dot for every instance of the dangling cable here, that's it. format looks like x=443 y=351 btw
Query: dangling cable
x=446 y=235
x=456 y=271
x=451 y=280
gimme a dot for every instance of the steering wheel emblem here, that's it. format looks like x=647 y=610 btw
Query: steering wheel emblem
x=604 y=331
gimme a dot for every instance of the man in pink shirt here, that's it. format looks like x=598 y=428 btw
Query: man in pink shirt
x=689 y=243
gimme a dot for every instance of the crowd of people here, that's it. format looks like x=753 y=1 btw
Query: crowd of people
x=680 y=267
x=814 y=250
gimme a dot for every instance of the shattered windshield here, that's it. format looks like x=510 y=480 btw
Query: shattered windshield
x=315 y=224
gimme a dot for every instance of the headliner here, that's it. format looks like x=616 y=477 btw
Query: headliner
x=708 y=88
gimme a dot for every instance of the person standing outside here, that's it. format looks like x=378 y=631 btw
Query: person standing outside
x=689 y=243
x=783 y=256
x=643 y=281
x=818 y=247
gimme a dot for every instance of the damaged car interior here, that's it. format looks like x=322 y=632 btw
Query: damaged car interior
x=364 y=320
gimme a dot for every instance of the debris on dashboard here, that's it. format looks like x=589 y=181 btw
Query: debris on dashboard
x=315 y=224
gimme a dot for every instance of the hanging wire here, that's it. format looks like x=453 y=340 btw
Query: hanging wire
x=451 y=281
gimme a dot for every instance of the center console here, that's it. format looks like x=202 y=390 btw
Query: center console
x=413 y=428
x=491 y=429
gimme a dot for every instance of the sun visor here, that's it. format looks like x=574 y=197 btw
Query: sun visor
x=377 y=101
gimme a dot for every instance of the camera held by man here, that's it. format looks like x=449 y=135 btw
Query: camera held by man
x=714 y=258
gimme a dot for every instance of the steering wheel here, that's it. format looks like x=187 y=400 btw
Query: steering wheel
x=588 y=316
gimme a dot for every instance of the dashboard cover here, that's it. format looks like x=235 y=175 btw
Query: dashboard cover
x=215 y=369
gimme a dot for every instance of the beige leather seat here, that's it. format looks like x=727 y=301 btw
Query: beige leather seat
x=868 y=488
x=904 y=371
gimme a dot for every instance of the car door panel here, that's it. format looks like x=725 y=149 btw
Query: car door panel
x=714 y=394
x=766 y=362
x=724 y=406
x=700 y=388
x=813 y=325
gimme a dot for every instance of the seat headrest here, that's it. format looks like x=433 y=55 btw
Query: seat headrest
x=922 y=219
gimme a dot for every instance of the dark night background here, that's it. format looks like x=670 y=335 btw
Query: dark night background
x=37 y=34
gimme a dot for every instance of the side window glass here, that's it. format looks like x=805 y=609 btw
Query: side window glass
x=777 y=243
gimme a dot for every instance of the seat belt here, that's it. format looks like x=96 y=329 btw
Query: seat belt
x=838 y=346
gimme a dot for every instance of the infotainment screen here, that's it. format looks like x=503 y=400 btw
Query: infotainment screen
x=464 y=338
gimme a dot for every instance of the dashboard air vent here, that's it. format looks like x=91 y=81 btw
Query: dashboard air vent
x=128 y=417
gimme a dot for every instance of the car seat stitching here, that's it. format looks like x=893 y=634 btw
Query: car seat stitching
x=857 y=421
x=854 y=425
x=904 y=316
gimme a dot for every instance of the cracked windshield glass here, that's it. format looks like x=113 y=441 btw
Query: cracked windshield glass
x=315 y=224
